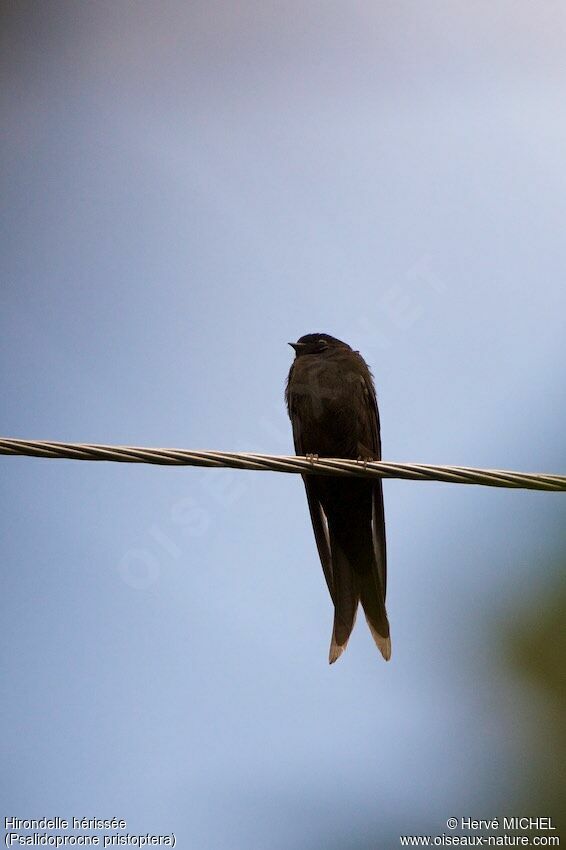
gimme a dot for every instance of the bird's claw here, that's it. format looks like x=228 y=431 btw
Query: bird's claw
x=312 y=458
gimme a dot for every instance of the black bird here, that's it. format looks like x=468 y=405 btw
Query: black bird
x=333 y=410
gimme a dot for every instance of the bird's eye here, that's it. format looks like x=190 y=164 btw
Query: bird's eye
x=321 y=342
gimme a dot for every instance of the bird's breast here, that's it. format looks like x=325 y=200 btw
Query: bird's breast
x=328 y=402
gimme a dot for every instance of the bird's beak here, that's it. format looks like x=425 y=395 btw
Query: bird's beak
x=298 y=346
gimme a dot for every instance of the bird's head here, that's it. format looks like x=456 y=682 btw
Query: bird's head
x=317 y=344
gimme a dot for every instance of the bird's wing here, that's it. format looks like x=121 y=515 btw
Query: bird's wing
x=320 y=528
x=318 y=517
x=378 y=516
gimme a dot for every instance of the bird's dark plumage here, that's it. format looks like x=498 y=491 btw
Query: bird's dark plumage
x=333 y=410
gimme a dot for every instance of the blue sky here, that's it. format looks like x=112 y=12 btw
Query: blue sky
x=187 y=187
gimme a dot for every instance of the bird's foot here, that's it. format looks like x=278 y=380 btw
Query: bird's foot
x=312 y=458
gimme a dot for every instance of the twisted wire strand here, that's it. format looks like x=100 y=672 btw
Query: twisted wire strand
x=284 y=463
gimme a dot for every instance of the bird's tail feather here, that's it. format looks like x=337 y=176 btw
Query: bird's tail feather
x=340 y=637
x=346 y=598
x=373 y=604
x=351 y=586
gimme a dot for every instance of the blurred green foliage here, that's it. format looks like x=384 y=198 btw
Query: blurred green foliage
x=535 y=650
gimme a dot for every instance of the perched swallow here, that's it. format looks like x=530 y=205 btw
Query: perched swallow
x=333 y=410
